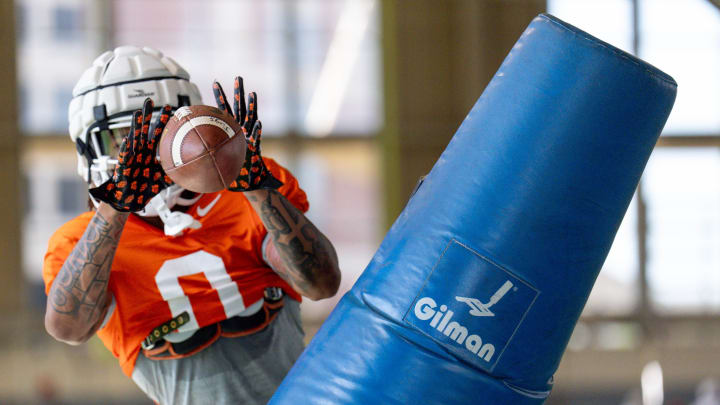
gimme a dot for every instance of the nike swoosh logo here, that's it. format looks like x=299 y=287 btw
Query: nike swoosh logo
x=202 y=211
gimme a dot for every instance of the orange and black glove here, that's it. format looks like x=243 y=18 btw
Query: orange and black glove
x=254 y=174
x=138 y=176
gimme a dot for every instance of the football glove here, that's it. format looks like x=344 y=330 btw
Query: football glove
x=254 y=174
x=138 y=176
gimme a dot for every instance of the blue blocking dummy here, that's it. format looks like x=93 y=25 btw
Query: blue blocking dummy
x=475 y=291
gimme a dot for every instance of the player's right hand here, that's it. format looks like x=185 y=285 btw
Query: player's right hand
x=138 y=176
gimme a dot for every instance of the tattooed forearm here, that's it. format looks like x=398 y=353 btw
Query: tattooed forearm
x=78 y=297
x=298 y=251
x=291 y=210
x=294 y=278
x=274 y=221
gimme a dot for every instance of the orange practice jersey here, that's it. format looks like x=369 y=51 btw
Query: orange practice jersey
x=212 y=272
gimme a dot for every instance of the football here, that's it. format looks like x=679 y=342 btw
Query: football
x=202 y=148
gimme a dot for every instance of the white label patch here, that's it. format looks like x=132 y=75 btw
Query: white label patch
x=187 y=126
x=182 y=112
x=471 y=306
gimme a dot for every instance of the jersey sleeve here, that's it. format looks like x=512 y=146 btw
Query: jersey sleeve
x=60 y=245
x=290 y=188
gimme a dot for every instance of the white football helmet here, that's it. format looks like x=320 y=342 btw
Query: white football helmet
x=101 y=109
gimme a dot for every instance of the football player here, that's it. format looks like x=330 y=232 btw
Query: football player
x=197 y=295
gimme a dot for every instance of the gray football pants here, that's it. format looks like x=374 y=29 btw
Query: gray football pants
x=242 y=370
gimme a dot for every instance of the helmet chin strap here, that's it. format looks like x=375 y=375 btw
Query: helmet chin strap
x=101 y=170
x=175 y=222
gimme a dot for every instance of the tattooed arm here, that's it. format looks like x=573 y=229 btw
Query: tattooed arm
x=297 y=250
x=78 y=297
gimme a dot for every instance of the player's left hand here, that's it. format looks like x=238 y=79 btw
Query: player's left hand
x=254 y=174
x=138 y=176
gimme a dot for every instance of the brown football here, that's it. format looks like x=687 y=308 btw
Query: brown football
x=202 y=149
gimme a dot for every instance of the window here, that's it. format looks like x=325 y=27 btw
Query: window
x=685 y=42
x=315 y=64
x=61 y=99
x=27 y=195
x=68 y=23
x=609 y=20
x=72 y=195
x=20 y=22
x=682 y=189
x=24 y=104
x=681 y=184
x=54 y=46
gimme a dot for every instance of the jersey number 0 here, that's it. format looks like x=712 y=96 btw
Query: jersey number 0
x=167 y=280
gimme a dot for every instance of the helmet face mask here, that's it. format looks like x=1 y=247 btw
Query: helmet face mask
x=108 y=141
x=105 y=98
x=105 y=148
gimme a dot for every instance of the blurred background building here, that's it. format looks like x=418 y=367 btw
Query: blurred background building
x=359 y=98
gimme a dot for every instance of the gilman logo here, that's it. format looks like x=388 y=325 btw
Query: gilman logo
x=425 y=309
x=490 y=304
x=478 y=308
